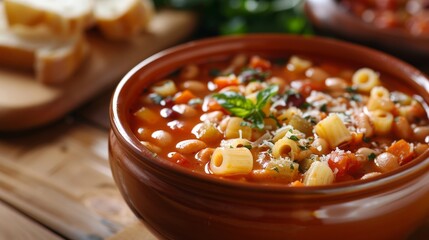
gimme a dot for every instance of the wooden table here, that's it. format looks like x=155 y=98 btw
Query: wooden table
x=55 y=182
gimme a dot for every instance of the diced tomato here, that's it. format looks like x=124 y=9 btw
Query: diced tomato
x=259 y=63
x=183 y=97
x=305 y=87
x=403 y=150
x=345 y=163
x=226 y=81
x=178 y=158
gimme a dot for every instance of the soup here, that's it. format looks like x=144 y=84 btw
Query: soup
x=411 y=15
x=298 y=121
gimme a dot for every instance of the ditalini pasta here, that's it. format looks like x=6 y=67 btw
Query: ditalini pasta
x=296 y=121
x=230 y=161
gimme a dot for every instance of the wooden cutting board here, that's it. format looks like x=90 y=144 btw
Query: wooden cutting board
x=25 y=103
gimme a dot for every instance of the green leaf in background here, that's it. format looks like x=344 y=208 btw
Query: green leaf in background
x=245 y=16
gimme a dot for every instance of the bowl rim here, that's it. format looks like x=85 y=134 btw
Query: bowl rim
x=128 y=140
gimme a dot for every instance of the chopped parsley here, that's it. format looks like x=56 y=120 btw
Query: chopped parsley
x=366 y=139
x=351 y=89
x=303 y=147
x=276 y=169
x=372 y=156
x=291 y=166
x=240 y=106
x=294 y=138
x=248 y=146
x=214 y=72
x=324 y=108
x=305 y=105
x=356 y=97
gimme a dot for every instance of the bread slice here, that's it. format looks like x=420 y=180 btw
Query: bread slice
x=62 y=17
x=53 y=59
x=122 y=19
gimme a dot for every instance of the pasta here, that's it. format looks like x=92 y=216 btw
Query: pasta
x=298 y=122
x=365 y=79
x=166 y=88
x=236 y=143
x=298 y=64
x=333 y=130
x=283 y=168
x=380 y=100
x=318 y=174
x=229 y=161
x=235 y=129
x=285 y=148
x=207 y=132
x=382 y=121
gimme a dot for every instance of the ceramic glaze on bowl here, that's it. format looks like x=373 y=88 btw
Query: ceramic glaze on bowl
x=176 y=203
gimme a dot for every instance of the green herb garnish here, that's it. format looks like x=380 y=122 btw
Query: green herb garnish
x=240 y=106
x=324 y=108
x=366 y=139
x=303 y=147
x=351 y=89
x=275 y=169
x=294 y=138
x=248 y=146
x=305 y=105
x=356 y=97
x=372 y=156
x=214 y=72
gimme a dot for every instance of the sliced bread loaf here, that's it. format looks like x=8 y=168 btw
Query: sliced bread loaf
x=122 y=19
x=53 y=59
x=62 y=17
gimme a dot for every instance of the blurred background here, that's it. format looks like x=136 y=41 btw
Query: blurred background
x=244 y=16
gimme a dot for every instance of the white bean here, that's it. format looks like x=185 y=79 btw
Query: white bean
x=190 y=146
x=387 y=162
x=162 y=138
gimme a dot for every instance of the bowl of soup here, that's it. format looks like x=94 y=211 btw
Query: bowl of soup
x=398 y=26
x=273 y=137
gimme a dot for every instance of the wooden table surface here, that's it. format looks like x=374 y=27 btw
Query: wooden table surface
x=55 y=182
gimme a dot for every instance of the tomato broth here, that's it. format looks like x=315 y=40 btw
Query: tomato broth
x=297 y=121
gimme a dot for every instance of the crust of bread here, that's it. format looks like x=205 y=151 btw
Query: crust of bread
x=56 y=66
x=127 y=24
x=28 y=14
x=52 y=62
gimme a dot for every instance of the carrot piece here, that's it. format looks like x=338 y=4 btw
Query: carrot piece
x=212 y=105
x=344 y=163
x=259 y=63
x=403 y=150
x=183 y=97
x=226 y=81
x=297 y=183
x=357 y=138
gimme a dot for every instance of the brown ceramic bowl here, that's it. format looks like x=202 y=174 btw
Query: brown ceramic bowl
x=330 y=17
x=176 y=203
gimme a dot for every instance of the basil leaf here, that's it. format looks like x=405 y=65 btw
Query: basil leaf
x=263 y=96
x=235 y=103
x=240 y=106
